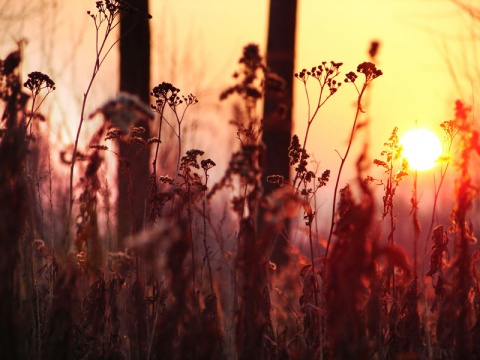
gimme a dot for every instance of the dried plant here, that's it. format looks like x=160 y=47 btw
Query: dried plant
x=458 y=300
x=105 y=19
x=351 y=267
x=198 y=281
x=370 y=71
x=391 y=155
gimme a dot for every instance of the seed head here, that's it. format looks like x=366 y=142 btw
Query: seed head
x=38 y=81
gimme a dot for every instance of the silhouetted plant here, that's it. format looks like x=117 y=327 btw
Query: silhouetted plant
x=105 y=20
x=350 y=268
x=392 y=155
x=176 y=293
x=370 y=71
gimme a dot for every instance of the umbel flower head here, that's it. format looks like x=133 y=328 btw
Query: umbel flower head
x=38 y=81
x=325 y=73
x=166 y=93
x=368 y=69
x=109 y=10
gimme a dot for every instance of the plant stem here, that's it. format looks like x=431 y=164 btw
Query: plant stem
x=342 y=163
x=75 y=152
x=416 y=231
x=204 y=213
x=154 y=164
x=435 y=202
x=99 y=48
x=309 y=123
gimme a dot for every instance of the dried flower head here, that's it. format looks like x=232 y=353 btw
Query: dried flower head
x=207 y=164
x=166 y=93
x=38 y=81
x=109 y=9
x=325 y=74
x=323 y=180
x=369 y=70
x=391 y=154
x=251 y=77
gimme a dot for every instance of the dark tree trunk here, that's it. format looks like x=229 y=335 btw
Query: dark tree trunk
x=278 y=108
x=133 y=175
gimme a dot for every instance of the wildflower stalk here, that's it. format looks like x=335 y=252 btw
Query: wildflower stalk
x=178 y=134
x=416 y=231
x=325 y=76
x=190 y=235
x=340 y=169
x=450 y=132
x=392 y=152
x=160 y=108
x=206 y=165
x=36 y=82
x=108 y=13
x=466 y=191
x=207 y=256
x=370 y=72
x=50 y=200
x=167 y=94
x=412 y=316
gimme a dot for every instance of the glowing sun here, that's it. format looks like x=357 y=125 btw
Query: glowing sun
x=421 y=148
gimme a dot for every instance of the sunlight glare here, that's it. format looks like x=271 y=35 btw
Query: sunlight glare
x=421 y=148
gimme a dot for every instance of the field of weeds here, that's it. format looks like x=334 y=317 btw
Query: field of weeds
x=206 y=281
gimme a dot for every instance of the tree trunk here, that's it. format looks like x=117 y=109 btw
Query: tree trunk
x=133 y=174
x=278 y=109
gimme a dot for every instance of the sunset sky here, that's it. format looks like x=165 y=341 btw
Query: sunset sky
x=417 y=84
x=426 y=56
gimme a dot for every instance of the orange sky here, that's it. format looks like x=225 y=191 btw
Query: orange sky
x=417 y=84
x=418 y=37
x=197 y=44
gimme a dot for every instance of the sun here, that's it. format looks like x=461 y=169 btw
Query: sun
x=421 y=148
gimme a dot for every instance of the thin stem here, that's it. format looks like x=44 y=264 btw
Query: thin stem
x=98 y=61
x=179 y=138
x=204 y=213
x=391 y=240
x=313 y=265
x=342 y=163
x=50 y=199
x=416 y=230
x=435 y=202
x=155 y=158
x=75 y=152
x=309 y=122
x=31 y=112
x=190 y=220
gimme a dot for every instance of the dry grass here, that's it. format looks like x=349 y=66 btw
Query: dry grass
x=193 y=285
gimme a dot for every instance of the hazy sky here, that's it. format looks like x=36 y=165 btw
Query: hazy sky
x=202 y=39
x=418 y=38
x=425 y=45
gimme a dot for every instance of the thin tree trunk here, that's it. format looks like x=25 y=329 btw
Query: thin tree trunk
x=135 y=79
x=278 y=108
